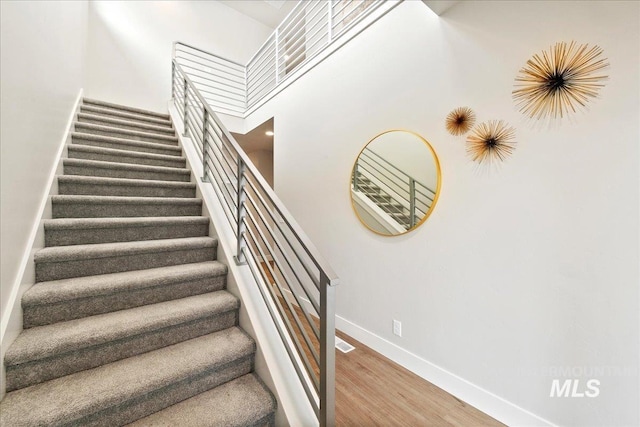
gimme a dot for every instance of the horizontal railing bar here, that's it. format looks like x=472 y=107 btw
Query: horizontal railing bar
x=284 y=318
x=236 y=69
x=292 y=19
x=336 y=12
x=376 y=173
x=271 y=39
x=306 y=48
x=316 y=28
x=265 y=59
x=310 y=273
x=205 y=81
x=235 y=82
x=306 y=20
x=178 y=43
x=311 y=299
x=301 y=327
x=190 y=63
x=222 y=96
x=375 y=160
x=316 y=11
x=221 y=170
x=264 y=83
x=259 y=81
x=310 y=396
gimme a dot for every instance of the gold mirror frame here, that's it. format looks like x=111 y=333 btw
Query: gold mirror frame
x=437 y=191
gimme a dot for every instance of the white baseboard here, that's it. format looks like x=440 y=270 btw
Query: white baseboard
x=487 y=402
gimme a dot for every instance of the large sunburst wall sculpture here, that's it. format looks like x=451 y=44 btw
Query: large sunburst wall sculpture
x=491 y=141
x=460 y=120
x=557 y=82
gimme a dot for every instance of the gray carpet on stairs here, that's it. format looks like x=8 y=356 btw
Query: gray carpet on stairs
x=129 y=321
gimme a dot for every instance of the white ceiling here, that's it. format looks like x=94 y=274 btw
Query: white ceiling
x=268 y=12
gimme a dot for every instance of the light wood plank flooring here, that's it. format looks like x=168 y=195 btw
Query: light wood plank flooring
x=372 y=390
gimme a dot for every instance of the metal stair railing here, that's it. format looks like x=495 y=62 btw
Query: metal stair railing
x=297 y=284
x=414 y=197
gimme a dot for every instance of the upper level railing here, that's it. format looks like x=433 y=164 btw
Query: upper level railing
x=310 y=28
x=406 y=200
x=296 y=283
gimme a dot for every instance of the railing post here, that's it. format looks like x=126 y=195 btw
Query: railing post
x=327 y=353
x=330 y=23
x=277 y=55
x=205 y=143
x=173 y=80
x=355 y=177
x=412 y=202
x=186 y=113
x=241 y=213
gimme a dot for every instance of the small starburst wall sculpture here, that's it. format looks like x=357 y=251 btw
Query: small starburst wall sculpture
x=555 y=83
x=460 y=120
x=491 y=141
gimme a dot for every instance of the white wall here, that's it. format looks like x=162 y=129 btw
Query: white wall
x=42 y=63
x=263 y=160
x=519 y=271
x=130 y=42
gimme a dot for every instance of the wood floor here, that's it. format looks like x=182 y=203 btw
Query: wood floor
x=372 y=390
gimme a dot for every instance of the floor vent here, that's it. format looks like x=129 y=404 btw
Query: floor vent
x=343 y=346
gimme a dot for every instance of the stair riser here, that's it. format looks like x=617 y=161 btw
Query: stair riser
x=123 y=158
x=142 y=406
x=26 y=374
x=124 y=115
x=124 y=134
x=169 y=151
x=90 y=210
x=76 y=309
x=138 y=127
x=75 y=236
x=125 y=173
x=46 y=271
x=81 y=189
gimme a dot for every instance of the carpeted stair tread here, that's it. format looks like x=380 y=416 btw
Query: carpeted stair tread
x=105 y=250
x=56 y=291
x=113 y=388
x=79 y=231
x=67 y=299
x=244 y=401
x=63 y=337
x=124 y=144
x=113 y=206
x=64 y=262
x=111 y=105
x=125 y=124
x=89 y=152
x=124 y=170
x=121 y=114
x=107 y=186
x=106 y=130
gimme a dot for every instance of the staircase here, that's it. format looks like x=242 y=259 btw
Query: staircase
x=129 y=321
x=384 y=201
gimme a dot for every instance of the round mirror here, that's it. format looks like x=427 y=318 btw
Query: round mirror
x=395 y=182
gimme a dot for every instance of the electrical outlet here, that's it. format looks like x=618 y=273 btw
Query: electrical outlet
x=397 y=328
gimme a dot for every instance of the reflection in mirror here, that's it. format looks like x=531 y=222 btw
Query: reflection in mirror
x=395 y=182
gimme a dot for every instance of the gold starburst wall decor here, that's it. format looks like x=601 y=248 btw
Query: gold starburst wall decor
x=491 y=141
x=460 y=120
x=555 y=83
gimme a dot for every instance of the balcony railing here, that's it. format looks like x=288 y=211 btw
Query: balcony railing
x=309 y=29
